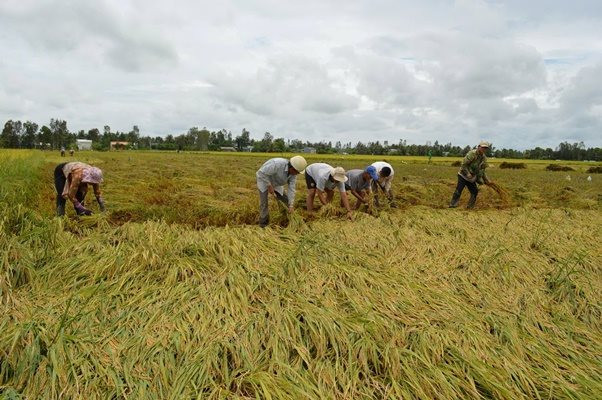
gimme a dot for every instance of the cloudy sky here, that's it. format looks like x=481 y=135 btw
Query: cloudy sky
x=518 y=73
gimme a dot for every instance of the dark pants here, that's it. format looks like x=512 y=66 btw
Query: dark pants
x=264 y=215
x=472 y=187
x=59 y=184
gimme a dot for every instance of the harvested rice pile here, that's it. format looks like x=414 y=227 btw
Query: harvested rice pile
x=557 y=167
x=512 y=165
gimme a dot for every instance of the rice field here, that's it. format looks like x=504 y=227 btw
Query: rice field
x=176 y=293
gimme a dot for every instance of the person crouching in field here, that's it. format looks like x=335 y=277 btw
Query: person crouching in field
x=71 y=182
x=385 y=178
x=271 y=177
x=472 y=172
x=321 y=178
x=358 y=183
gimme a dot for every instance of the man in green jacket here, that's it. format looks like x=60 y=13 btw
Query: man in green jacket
x=472 y=172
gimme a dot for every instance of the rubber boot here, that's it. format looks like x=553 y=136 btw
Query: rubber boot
x=60 y=210
x=454 y=201
x=471 y=202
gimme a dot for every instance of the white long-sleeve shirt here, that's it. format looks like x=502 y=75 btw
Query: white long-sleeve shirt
x=274 y=172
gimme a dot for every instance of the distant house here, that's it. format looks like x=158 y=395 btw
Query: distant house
x=83 y=144
x=118 y=145
x=309 y=150
x=227 y=148
x=247 y=149
x=393 y=151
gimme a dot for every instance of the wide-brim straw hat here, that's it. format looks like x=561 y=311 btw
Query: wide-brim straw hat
x=338 y=174
x=298 y=163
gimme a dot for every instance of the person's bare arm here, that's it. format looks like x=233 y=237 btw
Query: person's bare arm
x=76 y=179
x=357 y=195
x=321 y=196
x=74 y=182
x=99 y=199
x=345 y=201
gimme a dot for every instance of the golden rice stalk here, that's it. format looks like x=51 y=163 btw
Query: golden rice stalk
x=502 y=193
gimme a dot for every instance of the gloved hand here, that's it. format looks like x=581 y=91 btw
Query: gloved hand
x=101 y=204
x=81 y=210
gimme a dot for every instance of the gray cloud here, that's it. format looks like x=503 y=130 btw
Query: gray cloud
x=283 y=87
x=88 y=29
x=453 y=71
x=585 y=90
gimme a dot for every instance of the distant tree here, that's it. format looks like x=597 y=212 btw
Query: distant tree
x=93 y=135
x=375 y=148
x=45 y=136
x=30 y=130
x=59 y=133
x=296 y=145
x=360 y=148
x=243 y=140
x=265 y=145
x=10 y=136
x=203 y=139
x=279 y=145
x=133 y=136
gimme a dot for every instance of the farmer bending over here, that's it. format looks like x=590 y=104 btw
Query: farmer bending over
x=320 y=178
x=271 y=177
x=385 y=177
x=358 y=182
x=71 y=182
x=472 y=172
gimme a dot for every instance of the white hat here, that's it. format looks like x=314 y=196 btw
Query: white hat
x=484 y=144
x=338 y=174
x=298 y=163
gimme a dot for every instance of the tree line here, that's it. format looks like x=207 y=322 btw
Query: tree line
x=55 y=135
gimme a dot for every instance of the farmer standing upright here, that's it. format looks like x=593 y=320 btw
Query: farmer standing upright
x=472 y=172
x=271 y=178
x=358 y=183
x=71 y=182
x=385 y=177
x=322 y=179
